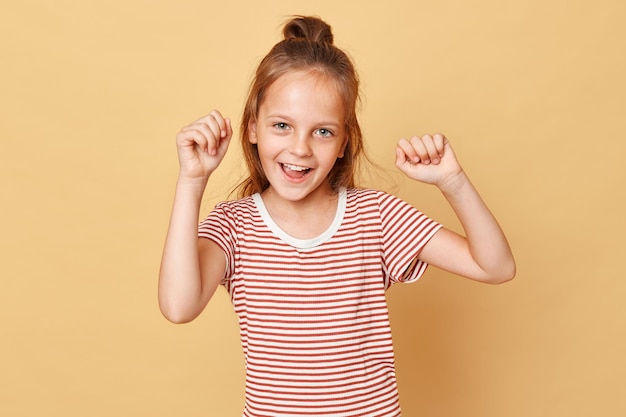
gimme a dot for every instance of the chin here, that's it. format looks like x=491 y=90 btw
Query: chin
x=299 y=192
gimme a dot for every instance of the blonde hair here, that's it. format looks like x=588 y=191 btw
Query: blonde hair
x=307 y=45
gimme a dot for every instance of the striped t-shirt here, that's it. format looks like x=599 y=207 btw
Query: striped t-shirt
x=312 y=313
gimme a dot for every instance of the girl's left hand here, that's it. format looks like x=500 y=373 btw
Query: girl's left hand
x=428 y=159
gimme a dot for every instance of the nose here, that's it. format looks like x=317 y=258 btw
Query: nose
x=300 y=145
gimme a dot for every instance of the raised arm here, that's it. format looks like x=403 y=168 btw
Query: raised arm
x=483 y=254
x=191 y=268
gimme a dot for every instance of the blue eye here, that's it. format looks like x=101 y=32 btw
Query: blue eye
x=324 y=132
x=281 y=125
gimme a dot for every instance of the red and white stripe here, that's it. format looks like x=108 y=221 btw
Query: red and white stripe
x=313 y=316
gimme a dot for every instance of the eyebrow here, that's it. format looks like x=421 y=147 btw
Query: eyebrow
x=323 y=123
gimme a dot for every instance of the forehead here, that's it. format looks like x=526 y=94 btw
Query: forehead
x=304 y=92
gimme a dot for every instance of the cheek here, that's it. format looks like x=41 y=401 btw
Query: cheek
x=267 y=153
x=265 y=146
x=333 y=156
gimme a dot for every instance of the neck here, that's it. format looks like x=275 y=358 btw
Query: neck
x=303 y=219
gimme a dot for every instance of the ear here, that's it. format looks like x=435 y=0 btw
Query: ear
x=342 y=150
x=252 y=132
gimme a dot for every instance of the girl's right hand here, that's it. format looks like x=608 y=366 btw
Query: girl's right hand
x=202 y=145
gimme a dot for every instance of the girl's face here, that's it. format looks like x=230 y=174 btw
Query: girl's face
x=299 y=133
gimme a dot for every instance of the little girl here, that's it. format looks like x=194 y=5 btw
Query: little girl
x=305 y=255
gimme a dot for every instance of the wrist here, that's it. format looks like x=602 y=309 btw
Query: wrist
x=193 y=185
x=454 y=183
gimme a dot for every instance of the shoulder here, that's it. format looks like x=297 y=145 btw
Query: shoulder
x=369 y=196
x=243 y=205
x=389 y=207
x=232 y=213
x=364 y=194
x=371 y=204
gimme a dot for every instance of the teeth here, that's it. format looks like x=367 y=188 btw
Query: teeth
x=295 y=167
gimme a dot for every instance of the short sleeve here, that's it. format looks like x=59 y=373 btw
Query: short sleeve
x=405 y=232
x=220 y=227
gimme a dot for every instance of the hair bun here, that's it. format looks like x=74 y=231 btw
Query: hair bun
x=309 y=28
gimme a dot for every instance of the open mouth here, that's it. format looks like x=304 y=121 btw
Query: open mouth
x=295 y=171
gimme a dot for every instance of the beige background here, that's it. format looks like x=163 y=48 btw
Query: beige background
x=531 y=92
